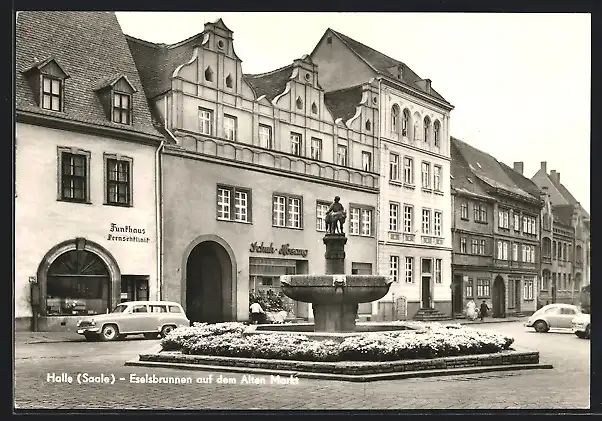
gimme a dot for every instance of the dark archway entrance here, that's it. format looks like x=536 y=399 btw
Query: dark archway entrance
x=209 y=283
x=498 y=298
x=457 y=295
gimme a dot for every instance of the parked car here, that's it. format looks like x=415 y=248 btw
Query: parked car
x=582 y=326
x=555 y=315
x=150 y=318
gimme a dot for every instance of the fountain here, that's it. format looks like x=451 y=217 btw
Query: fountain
x=335 y=296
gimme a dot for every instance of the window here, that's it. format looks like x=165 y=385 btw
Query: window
x=174 y=309
x=299 y=103
x=73 y=175
x=405 y=121
x=480 y=212
x=463 y=245
x=230 y=127
x=366 y=161
x=316 y=148
x=515 y=252
x=321 y=209
x=528 y=289
x=287 y=211
x=554 y=250
x=482 y=246
x=408 y=170
x=427 y=129
x=564 y=254
x=342 y=155
x=229 y=81
x=474 y=246
x=416 y=131
x=516 y=221
x=394 y=268
x=121 y=108
x=437 y=223
x=296 y=144
x=394 y=166
x=502 y=250
x=393 y=216
x=265 y=136
x=368 y=125
x=158 y=309
x=139 y=309
x=482 y=287
x=437 y=133
x=529 y=225
x=208 y=74
x=559 y=251
x=205 y=121
x=395 y=119
x=578 y=255
x=118 y=180
x=503 y=216
x=426 y=175
x=408 y=212
x=426 y=221
x=409 y=270
x=51 y=93
x=438 y=266
x=314 y=107
x=366 y=222
x=469 y=291
x=437 y=178
x=360 y=221
x=464 y=210
x=242 y=204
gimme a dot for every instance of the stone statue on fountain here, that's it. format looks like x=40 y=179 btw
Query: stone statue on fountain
x=335 y=217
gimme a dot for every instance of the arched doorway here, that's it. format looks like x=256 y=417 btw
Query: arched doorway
x=209 y=283
x=498 y=297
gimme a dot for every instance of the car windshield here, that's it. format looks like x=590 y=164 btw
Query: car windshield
x=120 y=308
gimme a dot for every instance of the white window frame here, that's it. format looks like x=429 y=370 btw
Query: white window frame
x=408 y=219
x=292 y=211
x=316 y=148
x=437 y=171
x=394 y=267
x=463 y=245
x=438 y=269
x=516 y=221
x=360 y=222
x=265 y=136
x=503 y=216
x=366 y=161
x=342 y=155
x=408 y=170
x=321 y=208
x=354 y=221
x=425 y=169
x=409 y=270
x=393 y=216
x=426 y=221
x=296 y=144
x=515 y=252
x=230 y=129
x=437 y=223
x=394 y=166
x=237 y=206
x=366 y=222
x=206 y=121
x=528 y=289
x=464 y=209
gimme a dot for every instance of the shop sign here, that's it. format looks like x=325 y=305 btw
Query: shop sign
x=284 y=250
x=127 y=233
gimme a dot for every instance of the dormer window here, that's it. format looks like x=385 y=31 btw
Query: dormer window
x=121 y=108
x=115 y=95
x=47 y=81
x=52 y=98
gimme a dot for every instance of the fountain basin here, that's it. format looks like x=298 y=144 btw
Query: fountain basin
x=331 y=289
x=335 y=298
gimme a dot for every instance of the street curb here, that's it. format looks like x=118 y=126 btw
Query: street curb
x=341 y=377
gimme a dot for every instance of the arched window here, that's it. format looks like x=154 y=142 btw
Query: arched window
x=416 y=128
x=547 y=246
x=78 y=282
x=299 y=103
x=395 y=119
x=405 y=122
x=229 y=81
x=437 y=133
x=564 y=252
x=554 y=250
x=427 y=129
x=314 y=108
x=368 y=125
x=209 y=74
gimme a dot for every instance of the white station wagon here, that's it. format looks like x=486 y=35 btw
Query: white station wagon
x=150 y=318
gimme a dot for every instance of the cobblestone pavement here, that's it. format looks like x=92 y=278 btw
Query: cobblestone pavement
x=566 y=386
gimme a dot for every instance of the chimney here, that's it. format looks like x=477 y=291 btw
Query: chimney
x=427 y=85
x=555 y=176
x=544 y=166
x=519 y=167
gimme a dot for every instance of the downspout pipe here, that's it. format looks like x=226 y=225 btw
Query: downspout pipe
x=380 y=169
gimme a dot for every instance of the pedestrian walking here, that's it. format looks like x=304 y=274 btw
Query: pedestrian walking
x=484 y=309
x=471 y=310
x=256 y=312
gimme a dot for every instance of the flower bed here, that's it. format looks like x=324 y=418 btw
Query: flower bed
x=428 y=340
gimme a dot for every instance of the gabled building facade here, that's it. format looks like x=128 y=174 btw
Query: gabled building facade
x=255 y=163
x=495 y=234
x=414 y=242
x=85 y=204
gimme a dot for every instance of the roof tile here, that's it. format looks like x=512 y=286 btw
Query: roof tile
x=270 y=84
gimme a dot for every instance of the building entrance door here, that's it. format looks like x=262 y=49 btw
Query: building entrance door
x=457 y=295
x=208 y=283
x=498 y=298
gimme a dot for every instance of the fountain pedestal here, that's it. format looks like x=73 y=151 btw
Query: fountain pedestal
x=335 y=296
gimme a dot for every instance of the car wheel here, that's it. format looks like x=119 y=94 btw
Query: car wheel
x=109 y=333
x=91 y=336
x=166 y=329
x=580 y=335
x=588 y=333
x=541 y=326
x=150 y=335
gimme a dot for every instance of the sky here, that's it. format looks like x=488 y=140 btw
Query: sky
x=520 y=83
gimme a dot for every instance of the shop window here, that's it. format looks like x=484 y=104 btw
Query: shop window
x=77 y=283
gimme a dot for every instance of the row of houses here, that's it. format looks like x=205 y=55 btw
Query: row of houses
x=155 y=171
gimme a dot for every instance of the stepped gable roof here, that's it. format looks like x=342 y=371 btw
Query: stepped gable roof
x=91 y=49
x=563 y=214
x=463 y=179
x=382 y=64
x=271 y=84
x=488 y=169
x=522 y=182
x=343 y=103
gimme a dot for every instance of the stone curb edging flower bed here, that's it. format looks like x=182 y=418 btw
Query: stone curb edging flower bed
x=349 y=370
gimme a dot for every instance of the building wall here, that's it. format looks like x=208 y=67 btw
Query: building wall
x=42 y=221
x=189 y=196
